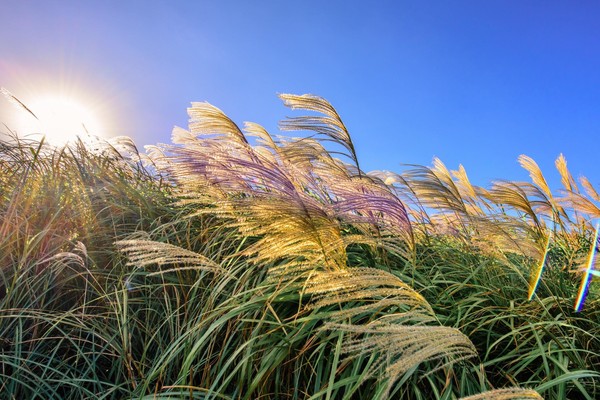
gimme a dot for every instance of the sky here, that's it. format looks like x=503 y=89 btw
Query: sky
x=475 y=83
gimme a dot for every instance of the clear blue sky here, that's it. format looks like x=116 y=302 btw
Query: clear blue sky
x=471 y=82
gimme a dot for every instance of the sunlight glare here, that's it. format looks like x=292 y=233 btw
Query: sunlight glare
x=60 y=119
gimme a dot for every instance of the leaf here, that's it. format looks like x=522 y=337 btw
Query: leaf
x=11 y=98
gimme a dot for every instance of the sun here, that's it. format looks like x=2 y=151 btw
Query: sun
x=59 y=119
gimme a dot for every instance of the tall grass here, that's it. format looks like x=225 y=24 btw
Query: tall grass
x=233 y=264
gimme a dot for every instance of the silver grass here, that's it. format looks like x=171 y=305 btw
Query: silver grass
x=447 y=203
x=514 y=195
x=583 y=205
x=330 y=124
x=296 y=200
x=566 y=178
x=535 y=173
x=506 y=394
x=399 y=348
x=543 y=195
x=206 y=119
x=589 y=189
x=328 y=288
x=142 y=253
x=472 y=195
x=416 y=210
x=435 y=187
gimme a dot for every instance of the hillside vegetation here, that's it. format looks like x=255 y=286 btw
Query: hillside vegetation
x=234 y=264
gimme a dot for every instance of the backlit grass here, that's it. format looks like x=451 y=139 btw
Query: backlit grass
x=233 y=264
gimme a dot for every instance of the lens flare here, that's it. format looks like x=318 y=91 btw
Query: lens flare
x=587 y=275
x=533 y=284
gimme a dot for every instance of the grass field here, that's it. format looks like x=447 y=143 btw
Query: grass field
x=232 y=264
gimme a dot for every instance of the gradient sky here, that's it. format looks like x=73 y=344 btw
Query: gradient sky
x=471 y=82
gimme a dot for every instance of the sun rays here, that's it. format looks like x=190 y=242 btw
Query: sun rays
x=58 y=118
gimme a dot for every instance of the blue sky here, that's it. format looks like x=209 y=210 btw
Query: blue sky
x=471 y=82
